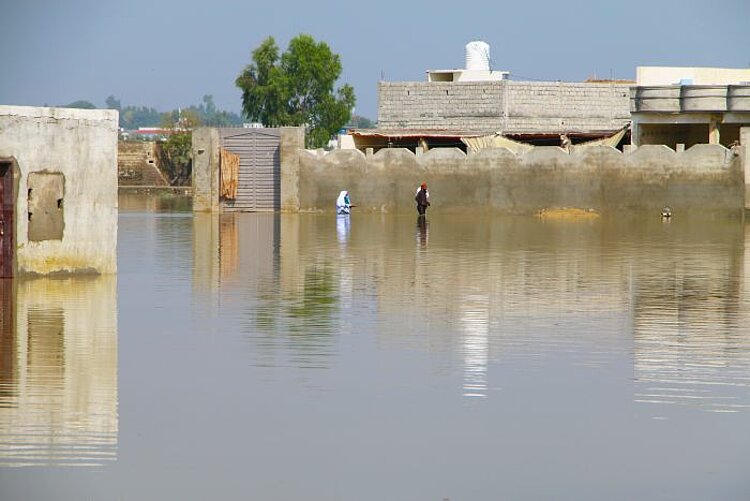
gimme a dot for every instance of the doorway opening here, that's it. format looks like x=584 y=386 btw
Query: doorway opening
x=7 y=217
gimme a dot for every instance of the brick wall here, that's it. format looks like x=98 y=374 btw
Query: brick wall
x=508 y=106
x=138 y=164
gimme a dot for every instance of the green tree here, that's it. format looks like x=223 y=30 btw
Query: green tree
x=177 y=158
x=360 y=122
x=132 y=117
x=296 y=88
x=112 y=103
x=84 y=105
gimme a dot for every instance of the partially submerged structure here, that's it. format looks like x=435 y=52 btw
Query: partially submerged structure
x=242 y=169
x=705 y=179
x=58 y=172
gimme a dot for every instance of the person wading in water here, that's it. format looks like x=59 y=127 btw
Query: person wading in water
x=421 y=198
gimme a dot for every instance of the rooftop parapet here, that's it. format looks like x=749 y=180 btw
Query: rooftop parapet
x=690 y=98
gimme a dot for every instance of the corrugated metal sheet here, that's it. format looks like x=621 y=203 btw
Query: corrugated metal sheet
x=259 y=186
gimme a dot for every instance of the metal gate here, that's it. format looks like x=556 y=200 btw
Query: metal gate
x=259 y=186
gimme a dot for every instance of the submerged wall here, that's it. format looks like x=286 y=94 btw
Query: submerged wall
x=703 y=178
x=66 y=178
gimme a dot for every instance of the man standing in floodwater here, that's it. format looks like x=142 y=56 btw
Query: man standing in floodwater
x=421 y=198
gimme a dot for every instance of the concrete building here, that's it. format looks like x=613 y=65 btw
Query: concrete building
x=689 y=106
x=507 y=106
x=58 y=172
x=478 y=101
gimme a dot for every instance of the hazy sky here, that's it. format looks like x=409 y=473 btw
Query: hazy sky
x=167 y=54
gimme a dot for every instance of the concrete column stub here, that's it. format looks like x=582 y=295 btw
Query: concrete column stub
x=205 y=169
x=292 y=142
x=745 y=154
x=713 y=131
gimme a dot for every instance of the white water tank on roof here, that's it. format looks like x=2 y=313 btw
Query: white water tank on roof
x=478 y=56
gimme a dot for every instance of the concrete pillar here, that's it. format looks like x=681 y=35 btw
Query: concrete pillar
x=206 y=170
x=745 y=154
x=635 y=133
x=713 y=130
x=292 y=142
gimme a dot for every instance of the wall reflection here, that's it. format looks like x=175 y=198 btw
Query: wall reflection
x=287 y=307
x=58 y=393
x=690 y=345
x=485 y=291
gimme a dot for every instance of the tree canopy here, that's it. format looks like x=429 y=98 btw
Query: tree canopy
x=83 y=105
x=296 y=88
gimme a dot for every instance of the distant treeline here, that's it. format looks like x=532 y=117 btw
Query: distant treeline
x=206 y=113
x=133 y=117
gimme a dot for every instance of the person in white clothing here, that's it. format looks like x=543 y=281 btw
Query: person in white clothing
x=343 y=204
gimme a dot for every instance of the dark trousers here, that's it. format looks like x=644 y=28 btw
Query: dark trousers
x=421 y=209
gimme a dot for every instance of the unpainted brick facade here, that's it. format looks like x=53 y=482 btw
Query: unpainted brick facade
x=507 y=106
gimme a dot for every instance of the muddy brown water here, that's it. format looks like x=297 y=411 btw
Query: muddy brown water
x=379 y=356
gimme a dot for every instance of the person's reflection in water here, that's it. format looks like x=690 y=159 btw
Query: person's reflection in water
x=423 y=231
x=342 y=228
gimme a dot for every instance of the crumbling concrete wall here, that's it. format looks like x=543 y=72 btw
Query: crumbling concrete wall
x=706 y=178
x=138 y=164
x=508 y=106
x=80 y=148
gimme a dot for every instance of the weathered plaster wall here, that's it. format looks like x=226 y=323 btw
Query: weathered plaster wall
x=744 y=150
x=509 y=106
x=206 y=169
x=705 y=178
x=82 y=146
x=292 y=140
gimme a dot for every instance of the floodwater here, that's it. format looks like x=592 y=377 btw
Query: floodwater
x=377 y=356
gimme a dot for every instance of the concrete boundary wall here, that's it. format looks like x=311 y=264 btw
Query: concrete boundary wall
x=706 y=178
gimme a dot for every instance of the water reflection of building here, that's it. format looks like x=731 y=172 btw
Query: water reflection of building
x=234 y=249
x=58 y=370
x=475 y=339
x=495 y=289
x=237 y=271
x=674 y=288
x=690 y=344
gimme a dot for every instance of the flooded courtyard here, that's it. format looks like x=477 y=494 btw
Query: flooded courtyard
x=380 y=356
